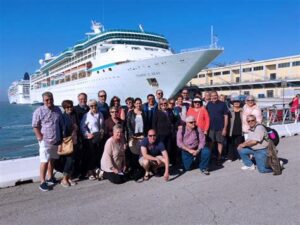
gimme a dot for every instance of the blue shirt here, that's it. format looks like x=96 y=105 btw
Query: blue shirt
x=216 y=112
x=154 y=149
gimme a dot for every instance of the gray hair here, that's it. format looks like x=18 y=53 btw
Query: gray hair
x=48 y=94
x=250 y=97
x=251 y=116
x=92 y=102
x=117 y=127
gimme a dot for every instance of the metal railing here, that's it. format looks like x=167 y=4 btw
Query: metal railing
x=280 y=114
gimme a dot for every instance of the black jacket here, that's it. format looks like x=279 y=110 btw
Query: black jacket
x=130 y=123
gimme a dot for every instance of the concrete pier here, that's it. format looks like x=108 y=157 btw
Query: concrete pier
x=228 y=196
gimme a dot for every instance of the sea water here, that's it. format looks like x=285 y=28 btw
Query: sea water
x=17 y=139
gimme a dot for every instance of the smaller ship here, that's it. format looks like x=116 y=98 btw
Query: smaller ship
x=19 y=91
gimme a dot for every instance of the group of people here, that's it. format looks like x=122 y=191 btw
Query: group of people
x=118 y=143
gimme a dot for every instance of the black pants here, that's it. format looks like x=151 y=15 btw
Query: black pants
x=114 y=178
x=233 y=143
x=93 y=155
x=167 y=140
x=68 y=164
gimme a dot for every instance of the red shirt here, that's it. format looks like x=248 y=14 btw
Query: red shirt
x=201 y=116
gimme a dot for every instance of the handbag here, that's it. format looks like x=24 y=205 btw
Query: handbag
x=98 y=136
x=135 y=145
x=67 y=146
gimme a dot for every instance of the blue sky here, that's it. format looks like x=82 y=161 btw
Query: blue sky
x=258 y=29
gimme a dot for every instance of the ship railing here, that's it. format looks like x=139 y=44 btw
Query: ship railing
x=280 y=114
x=200 y=48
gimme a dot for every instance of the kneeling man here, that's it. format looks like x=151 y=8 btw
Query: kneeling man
x=153 y=155
x=256 y=145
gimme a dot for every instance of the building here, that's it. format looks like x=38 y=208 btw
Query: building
x=272 y=78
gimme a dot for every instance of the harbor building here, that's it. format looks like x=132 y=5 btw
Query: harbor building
x=271 y=78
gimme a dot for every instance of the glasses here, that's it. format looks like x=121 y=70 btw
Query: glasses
x=93 y=106
x=163 y=104
x=159 y=93
x=151 y=135
x=48 y=99
x=196 y=102
x=249 y=121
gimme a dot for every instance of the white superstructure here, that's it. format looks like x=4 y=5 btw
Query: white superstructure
x=19 y=92
x=122 y=62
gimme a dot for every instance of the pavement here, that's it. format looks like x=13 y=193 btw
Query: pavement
x=228 y=196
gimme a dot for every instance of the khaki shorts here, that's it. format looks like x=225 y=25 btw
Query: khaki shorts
x=47 y=151
x=152 y=163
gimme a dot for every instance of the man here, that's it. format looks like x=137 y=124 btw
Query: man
x=102 y=105
x=82 y=108
x=80 y=153
x=47 y=125
x=159 y=94
x=149 y=108
x=129 y=105
x=191 y=141
x=256 y=145
x=153 y=155
x=207 y=98
x=218 y=114
x=186 y=98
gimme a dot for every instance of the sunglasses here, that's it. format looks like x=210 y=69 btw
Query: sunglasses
x=249 y=121
x=151 y=135
x=196 y=102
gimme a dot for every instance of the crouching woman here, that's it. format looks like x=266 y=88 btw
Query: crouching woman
x=113 y=158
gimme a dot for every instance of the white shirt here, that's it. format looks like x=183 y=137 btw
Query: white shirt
x=91 y=123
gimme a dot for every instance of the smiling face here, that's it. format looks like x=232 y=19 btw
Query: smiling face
x=214 y=96
x=48 y=101
x=251 y=120
x=82 y=100
x=151 y=136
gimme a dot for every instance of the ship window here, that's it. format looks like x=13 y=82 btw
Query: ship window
x=296 y=63
x=153 y=82
x=109 y=69
x=270 y=93
x=135 y=48
x=226 y=72
x=273 y=76
x=258 y=68
x=217 y=73
x=98 y=71
x=247 y=69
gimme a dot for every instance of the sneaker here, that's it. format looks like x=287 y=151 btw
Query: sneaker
x=248 y=167
x=44 y=187
x=205 y=172
x=51 y=181
x=281 y=164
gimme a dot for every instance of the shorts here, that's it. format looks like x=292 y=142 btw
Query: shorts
x=152 y=163
x=216 y=136
x=47 y=151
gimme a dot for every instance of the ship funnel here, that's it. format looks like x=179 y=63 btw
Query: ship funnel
x=41 y=62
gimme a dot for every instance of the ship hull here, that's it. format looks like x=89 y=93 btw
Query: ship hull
x=134 y=79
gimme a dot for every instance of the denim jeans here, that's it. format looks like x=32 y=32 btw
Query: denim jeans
x=203 y=157
x=260 y=158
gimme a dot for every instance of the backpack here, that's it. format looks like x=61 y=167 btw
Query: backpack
x=272 y=135
x=183 y=132
x=273 y=161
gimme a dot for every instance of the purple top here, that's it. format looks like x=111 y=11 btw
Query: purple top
x=50 y=122
x=190 y=139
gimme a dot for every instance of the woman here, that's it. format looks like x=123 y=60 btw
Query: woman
x=295 y=105
x=129 y=105
x=163 y=124
x=199 y=112
x=235 y=130
x=70 y=128
x=250 y=108
x=136 y=128
x=113 y=159
x=91 y=127
x=180 y=109
x=111 y=121
x=115 y=101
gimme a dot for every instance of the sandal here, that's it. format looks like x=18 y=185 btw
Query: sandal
x=72 y=183
x=92 y=177
x=146 y=177
x=65 y=185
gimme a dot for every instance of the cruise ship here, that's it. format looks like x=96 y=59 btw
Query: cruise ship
x=122 y=62
x=19 y=91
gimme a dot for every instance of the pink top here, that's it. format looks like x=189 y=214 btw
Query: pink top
x=247 y=110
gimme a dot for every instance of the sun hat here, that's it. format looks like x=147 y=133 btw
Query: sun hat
x=197 y=100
